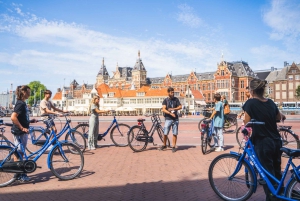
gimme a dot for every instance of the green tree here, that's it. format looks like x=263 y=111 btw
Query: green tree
x=37 y=92
x=298 y=92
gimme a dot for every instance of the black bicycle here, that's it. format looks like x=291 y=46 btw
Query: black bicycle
x=139 y=136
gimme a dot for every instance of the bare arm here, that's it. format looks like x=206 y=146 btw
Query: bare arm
x=164 y=109
x=100 y=111
x=213 y=114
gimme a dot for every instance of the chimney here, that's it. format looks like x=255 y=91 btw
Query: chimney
x=272 y=68
x=58 y=90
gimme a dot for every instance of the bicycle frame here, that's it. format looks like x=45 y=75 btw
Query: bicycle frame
x=251 y=156
x=114 y=121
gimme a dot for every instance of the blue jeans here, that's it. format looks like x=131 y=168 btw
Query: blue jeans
x=169 y=124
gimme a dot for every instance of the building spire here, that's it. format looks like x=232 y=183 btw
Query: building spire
x=222 y=57
x=103 y=61
x=139 y=54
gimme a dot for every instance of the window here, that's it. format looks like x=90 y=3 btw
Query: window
x=218 y=84
x=176 y=94
x=199 y=87
x=148 y=100
x=203 y=87
x=290 y=77
x=82 y=101
x=226 y=83
x=111 y=94
x=270 y=90
x=70 y=103
x=141 y=94
x=294 y=71
x=155 y=100
x=242 y=84
x=222 y=72
x=208 y=86
x=297 y=77
x=222 y=84
x=242 y=96
x=140 y=101
x=208 y=95
x=132 y=101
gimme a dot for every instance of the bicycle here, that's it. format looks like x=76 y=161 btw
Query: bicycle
x=118 y=133
x=230 y=123
x=289 y=138
x=139 y=136
x=38 y=135
x=61 y=159
x=238 y=180
x=207 y=129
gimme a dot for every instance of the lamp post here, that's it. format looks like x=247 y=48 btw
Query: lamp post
x=232 y=92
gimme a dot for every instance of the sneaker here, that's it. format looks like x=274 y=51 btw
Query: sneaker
x=174 y=149
x=50 y=147
x=219 y=149
x=162 y=148
x=92 y=148
x=23 y=178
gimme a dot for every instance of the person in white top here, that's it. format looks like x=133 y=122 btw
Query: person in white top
x=46 y=106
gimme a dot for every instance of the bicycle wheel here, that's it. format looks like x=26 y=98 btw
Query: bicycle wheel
x=78 y=139
x=134 y=143
x=237 y=188
x=204 y=143
x=230 y=125
x=293 y=190
x=6 y=178
x=83 y=129
x=289 y=139
x=119 y=136
x=4 y=140
x=199 y=124
x=66 y=164
x=39 y=139
x=240 y=138
x=160 y=132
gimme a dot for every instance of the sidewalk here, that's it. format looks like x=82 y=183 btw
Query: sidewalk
x=113 y=173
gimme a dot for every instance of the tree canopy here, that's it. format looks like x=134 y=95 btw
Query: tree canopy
x=37 y=92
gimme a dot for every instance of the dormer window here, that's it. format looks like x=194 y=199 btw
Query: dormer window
x=140 y=94
x=111 y=94
x=294 y=71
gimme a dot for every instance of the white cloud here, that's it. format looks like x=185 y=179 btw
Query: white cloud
x=58 y=50
x=188 y=17
x=283 y=17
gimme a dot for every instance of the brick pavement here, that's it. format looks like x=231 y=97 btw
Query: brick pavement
x=113 y=173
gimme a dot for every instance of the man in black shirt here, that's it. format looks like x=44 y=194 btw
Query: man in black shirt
x=170 y=106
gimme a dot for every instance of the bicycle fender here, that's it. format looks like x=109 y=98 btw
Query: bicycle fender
x=251 y=169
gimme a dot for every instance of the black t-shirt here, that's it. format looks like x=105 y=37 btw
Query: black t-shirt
x=23 y=113
x=171 y=103
x=264 y=112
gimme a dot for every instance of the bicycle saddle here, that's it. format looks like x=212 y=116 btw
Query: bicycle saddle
x=141 y=120
x=291 y=152
x=287 y=127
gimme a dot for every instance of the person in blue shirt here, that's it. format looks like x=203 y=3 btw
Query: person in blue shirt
x=218 y=118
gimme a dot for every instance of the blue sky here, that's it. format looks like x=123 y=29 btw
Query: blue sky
x=57 y=41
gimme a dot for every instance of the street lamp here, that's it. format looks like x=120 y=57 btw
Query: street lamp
x=232 y=85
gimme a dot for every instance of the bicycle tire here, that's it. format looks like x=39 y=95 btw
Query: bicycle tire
x=229 y=185
x=199 y=124
x=56 y=159
x=160 y=132
x=32 y=148
x=78 y=139
x=6 y=178
x=289 y=139
x=291 y=193
x=4 y=140
x=119 y=136
x=135 y=145
x=240 y=138
x=232 y=125
x=83 y=129
x=204 y=143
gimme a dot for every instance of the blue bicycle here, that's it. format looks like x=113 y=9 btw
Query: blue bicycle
x=118 y=133
x=234 y=176
x=38 y=136
x=207 y=135
x=65 y=160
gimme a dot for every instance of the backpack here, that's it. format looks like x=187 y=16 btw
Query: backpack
x=226 y=109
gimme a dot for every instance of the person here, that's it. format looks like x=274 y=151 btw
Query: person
x=265 y=138
x=170 y=107
x=46 y=106
x=94 y=123
x=225 y=102
x=20 y=119
x=218 y=118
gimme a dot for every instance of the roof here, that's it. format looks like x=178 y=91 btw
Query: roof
x=57 y=96
x=197 y=94
x=103 y=88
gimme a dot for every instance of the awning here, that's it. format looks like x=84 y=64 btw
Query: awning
x=201 y=102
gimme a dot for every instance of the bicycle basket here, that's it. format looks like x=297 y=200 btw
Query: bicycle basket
x=206 y=114
x=49 y=123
